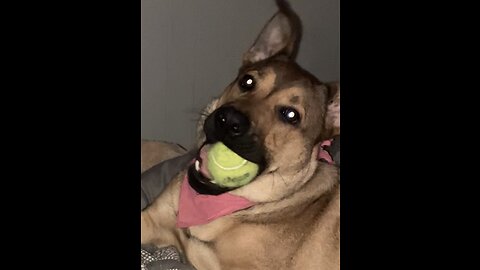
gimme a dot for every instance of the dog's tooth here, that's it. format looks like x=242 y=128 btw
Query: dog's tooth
x=197 y=165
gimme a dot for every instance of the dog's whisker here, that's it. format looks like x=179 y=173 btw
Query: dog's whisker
x=283 y=179
x=306 y=172
x=273 y=180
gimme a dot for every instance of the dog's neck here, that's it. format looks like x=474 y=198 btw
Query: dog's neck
x=318 y=189
x=271 y=187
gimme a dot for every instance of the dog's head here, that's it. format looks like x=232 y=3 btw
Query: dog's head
x=274 y=113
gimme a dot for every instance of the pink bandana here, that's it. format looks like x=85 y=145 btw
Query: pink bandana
x=197 y=209
x=323 y=154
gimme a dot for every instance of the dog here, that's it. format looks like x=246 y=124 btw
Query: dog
x=275 y=114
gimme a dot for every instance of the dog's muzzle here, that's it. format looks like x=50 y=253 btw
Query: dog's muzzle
x=232 y=127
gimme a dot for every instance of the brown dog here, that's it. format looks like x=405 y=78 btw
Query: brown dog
x=274 y=114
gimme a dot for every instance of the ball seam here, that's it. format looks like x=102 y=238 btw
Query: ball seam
x=230 y=168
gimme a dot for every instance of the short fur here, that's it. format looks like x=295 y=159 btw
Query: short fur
x=295 y=223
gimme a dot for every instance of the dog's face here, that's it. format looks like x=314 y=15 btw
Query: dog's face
x=274 y=113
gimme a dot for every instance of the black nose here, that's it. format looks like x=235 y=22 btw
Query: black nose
x=231 y=122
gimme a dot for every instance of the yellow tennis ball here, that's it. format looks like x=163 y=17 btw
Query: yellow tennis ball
x=229 y=169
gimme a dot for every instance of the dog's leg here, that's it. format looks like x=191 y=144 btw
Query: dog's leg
x=201 y=256
x=155 y=233
x=158 y=220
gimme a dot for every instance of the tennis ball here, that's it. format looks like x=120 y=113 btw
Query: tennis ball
x=229 y=169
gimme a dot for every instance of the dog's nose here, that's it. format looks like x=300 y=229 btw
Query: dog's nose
x=231 y=121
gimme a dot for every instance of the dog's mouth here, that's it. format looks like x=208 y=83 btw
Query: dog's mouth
x=201 y=179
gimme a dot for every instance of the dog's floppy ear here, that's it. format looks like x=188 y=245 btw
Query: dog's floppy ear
x=280 y=36
x=332 y=120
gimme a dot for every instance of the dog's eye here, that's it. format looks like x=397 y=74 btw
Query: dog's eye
x=290 y=115
x=247 y=82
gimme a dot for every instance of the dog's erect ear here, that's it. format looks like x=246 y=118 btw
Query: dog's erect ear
x=332 y=121
x=280 y=35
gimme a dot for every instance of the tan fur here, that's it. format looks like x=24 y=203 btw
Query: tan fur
x=206 y=111
x=333 y=118
x=154 y=152
x=295 y=221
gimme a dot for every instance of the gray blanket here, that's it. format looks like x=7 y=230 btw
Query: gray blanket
x=167 y=258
